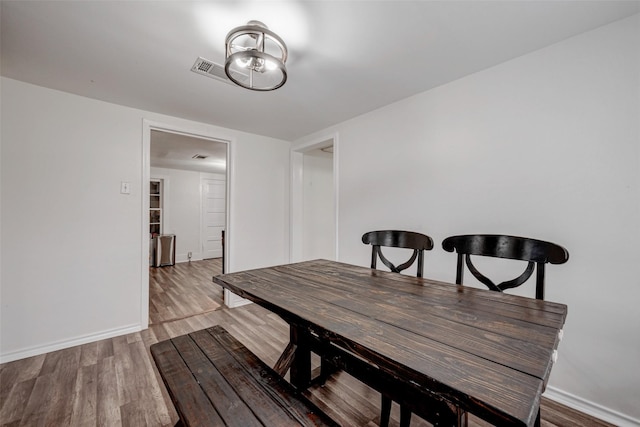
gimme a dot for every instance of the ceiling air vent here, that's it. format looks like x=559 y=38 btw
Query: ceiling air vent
x=215 y=71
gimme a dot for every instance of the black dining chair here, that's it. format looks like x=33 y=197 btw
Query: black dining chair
x=398 y=239
x=418 y=243
x=537 y=253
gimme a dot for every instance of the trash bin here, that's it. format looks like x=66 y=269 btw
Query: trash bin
x=164 y=250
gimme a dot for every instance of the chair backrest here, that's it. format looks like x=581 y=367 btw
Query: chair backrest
x=536 y=252
x=398 y=239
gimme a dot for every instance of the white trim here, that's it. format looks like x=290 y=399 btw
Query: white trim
x=336 y=179
x=295 y=212
x=295 y=197
x=231 y=154
x=232 y=300
x=145 y=252
x=201 y=215
x=61 y=345
x=195 y=256
x=590 y=408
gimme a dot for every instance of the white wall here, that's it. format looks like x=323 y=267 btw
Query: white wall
x=183 y=209
x=546 y=146
x=72 y=262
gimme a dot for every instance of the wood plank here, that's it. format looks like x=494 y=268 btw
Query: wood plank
x=39 y=405
x=213 y=383
x=64 y=382
x=150 y=392
x=193 y=402
x=13 y=404
x=108 y=399
x=132 y=415
x=85 y=399
x=22 y=374
x=272 y=399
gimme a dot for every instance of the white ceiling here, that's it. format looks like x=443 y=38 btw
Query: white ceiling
x=345 y=57
x=175 y=151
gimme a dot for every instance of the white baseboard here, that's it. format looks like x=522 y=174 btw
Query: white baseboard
x=185 y=257
x=591 y=408
x=60 y=345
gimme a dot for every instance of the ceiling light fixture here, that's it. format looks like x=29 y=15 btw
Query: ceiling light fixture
x=255 y=50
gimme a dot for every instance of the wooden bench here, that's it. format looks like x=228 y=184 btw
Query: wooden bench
x=214 y=380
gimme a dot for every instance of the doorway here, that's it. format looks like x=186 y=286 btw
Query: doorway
x=185 y=159
x=314 y=201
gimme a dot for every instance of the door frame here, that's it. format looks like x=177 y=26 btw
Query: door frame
x=193 y=130
x=296 y=201
x=202 y=213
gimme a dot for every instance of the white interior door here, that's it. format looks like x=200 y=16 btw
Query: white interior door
x=213 y=216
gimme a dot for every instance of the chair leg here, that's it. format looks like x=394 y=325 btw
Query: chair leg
x=537 y=423
x=385 y=412
x=405 y=416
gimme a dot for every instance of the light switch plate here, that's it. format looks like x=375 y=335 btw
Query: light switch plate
x=125 y=187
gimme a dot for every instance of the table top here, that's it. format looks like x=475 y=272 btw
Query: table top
x=487 y=352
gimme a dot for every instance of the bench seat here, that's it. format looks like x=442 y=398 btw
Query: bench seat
x=214 y=380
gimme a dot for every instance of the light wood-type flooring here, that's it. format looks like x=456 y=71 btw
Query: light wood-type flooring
x=182 y=290
x=114 y=382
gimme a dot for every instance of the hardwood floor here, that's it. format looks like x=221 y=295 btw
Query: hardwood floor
x=114 y=382
x=182 y=290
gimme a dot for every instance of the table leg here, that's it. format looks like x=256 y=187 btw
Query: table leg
x=385 y=411
x=300 y=374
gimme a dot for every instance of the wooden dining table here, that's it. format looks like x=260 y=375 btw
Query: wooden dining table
x=414 y=339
